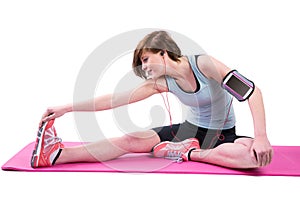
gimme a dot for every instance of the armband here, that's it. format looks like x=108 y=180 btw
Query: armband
x=238 y=86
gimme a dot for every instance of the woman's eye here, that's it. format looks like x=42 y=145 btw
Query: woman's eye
x=145 y=60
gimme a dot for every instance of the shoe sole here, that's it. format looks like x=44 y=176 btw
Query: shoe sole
x=38 y=146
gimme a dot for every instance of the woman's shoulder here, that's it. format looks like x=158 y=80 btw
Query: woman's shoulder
x=203 y=62
x=160 y=85
x=211 y=67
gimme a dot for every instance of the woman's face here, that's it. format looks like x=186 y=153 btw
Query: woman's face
x=153 y=64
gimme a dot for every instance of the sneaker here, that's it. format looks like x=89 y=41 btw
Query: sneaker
x=47 y=146
x=177 y=151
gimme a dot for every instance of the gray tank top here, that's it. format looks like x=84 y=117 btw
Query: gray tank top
x=208 y=106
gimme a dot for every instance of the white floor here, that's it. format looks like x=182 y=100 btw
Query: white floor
x=43 y=47
x=145 y=186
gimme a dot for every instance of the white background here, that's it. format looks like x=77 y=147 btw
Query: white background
x=44 y=44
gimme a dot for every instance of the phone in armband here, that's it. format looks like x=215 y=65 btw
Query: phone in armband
x=238 y=86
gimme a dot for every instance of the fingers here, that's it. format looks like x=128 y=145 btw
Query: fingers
x=48 y=115
x=263 y=158
x=269 y=156
x=254 y=156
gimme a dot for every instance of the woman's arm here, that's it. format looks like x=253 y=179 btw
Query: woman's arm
x=109 y=101
x=114 y=100
x=261 y=148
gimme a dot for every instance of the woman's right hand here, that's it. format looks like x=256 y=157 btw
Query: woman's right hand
x=53 y=112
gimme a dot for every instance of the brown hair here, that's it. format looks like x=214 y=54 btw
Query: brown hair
x=154 y=42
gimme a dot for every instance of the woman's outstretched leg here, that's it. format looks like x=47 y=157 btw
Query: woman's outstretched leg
x=107 y=149
x=49 y=149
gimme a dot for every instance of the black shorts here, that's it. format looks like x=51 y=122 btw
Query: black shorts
x=208 y=138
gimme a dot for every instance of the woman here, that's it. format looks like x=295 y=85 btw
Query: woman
x=208 y=134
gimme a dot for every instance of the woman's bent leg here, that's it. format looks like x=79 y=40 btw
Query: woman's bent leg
x=233 y=155
x=103 y=150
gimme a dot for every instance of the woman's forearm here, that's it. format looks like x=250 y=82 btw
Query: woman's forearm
x=258 y=112
x=114 y=100
x=97 y=104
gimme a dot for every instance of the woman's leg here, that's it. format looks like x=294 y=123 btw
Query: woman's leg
x=103 y=150
x=232 y=155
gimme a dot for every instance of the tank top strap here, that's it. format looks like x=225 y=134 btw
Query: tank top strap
x=193 y=62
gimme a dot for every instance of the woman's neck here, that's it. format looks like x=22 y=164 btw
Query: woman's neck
x=178 y=70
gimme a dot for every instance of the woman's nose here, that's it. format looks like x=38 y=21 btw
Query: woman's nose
x=144 y=67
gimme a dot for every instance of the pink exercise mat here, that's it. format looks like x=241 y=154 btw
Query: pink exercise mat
x=286 y=162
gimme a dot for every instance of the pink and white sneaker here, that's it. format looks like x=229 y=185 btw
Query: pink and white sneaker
x=47 y=146
x=177 y=151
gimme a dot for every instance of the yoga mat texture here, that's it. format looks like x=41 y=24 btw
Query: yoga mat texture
x=286 y=162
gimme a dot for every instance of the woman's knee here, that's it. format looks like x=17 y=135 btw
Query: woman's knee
x=239 y=153
x=140 y=141
x=247 y=154
x=247 y=142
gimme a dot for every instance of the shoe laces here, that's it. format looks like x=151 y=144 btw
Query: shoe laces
x=174 y=155
x=50 y=138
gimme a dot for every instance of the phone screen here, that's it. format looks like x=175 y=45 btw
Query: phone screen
x=237 y=85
